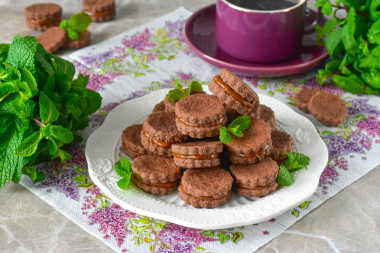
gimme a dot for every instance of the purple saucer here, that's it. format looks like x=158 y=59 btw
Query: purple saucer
x=199 y=32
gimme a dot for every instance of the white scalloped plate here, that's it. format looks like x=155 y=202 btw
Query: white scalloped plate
x=103 y=148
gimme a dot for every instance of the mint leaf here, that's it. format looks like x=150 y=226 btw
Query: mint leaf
x=29 y=145
x=175 y=95
x=243 y=122
x=237 y=236
x=33 y=173
x=79 y=22
x=304 y=205
x=123 y=169
x=29 y=79
x=21 y=52
x=73 y=35
x=4 y=48
x=348 y=31
x=48 y=111
x=223 y=238
x=333 y=40
x=194 y=86
x=284 y=176
x=352 y=83
x=65 y=72
x=300 y=158
x=224 y=136
x=94 y=102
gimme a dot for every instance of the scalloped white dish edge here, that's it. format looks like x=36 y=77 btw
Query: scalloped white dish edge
x=103 y=149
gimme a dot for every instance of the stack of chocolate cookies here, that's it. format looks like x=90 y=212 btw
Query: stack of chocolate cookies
x=184 y=134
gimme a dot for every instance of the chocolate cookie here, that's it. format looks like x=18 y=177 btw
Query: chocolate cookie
x=206 y=187
x=155 y=174
x=40 y=17
x=200 y=115
x=282 y=142
x=83 y=41
x=234 y=92
x=99 y=10
x=255 y=180
x=302 y=98
x=170 y=105
x=159 y=107
x=131 y=141
x=327 y=108
x=267 y=114
x=160 y=132
x=52 y=39
x=199 y=154
x=253 y=146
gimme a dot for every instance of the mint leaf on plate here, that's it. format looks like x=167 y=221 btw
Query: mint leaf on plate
x=123 y=169
x=285 y=178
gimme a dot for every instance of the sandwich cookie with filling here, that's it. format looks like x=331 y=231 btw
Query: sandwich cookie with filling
x=282 y=142
x=131 y=141
x=42 y=16
x=99 y=10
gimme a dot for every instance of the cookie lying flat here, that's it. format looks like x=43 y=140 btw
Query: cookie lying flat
x=131 y=141
x=158 y=175
x=282 y=142
x=83 y=41
x=253 y=146
x=233 y=92
x=302 y=98
x=267 y=114
x=206 y=187
x=160 y=132
x=52 y=39
x=255 y=180
x=327 y=108
x=40 y=17
x=200 y=115
x=99 y=10
x=198 y=154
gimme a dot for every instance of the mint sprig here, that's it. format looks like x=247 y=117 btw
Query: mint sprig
x=76 y=25
x=123 y=169
x=236 y=127
x=179 y=93
x=295 y=162
x=40 y=108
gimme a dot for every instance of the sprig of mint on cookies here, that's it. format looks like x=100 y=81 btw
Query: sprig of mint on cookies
x=76 y=25
x=236 y=127
x=123 y=169
x=295 y=162
x=179 y=93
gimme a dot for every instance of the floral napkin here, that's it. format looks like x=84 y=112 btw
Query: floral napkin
x=149 y=58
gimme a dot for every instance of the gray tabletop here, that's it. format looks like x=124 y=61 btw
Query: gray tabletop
x=348 y=222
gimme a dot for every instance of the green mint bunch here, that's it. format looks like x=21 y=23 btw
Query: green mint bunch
x=179 y=93
x=236 y=127
x=295 y=162
x=76 y=25
x=40 y=108
x=353 y=43
x=123 y=169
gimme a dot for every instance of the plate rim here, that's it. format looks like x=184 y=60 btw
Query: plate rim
x=255 y=71
x=170 y=217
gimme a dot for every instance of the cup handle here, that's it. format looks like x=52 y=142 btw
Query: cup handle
x=311 y=20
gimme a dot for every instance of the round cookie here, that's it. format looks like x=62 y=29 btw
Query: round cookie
x=282 y=142
x=200 y=115
x=99 y=10
x=83 y=40
x=233 y=92
x=160 y=132
x=302 y=98
x=170 y=105
x=159 y=107
x=267 y=114
x=327 y=108
x=255 y=180
x=42 y=16
x=155 y=174
x=198 y=154
x=205 y=187
x=52 y=39
x=253 y=146
x=131 y=141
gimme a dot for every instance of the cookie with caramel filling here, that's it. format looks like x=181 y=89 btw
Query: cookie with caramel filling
x=42 y=16
x=198 y=154
x=267 y=114
x=234 y=92
x=282 y=142
x=253 y=146
x=131 y=141
x=99 y=10
x=255 y=180
x=83 y=40
x=200 y=115
x=155 y=174
x=159 y=132
x=205 y=187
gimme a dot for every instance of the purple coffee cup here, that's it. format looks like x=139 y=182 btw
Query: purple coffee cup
x=260 y=36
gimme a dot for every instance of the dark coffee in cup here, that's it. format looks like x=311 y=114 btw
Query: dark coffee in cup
x=264 y=5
